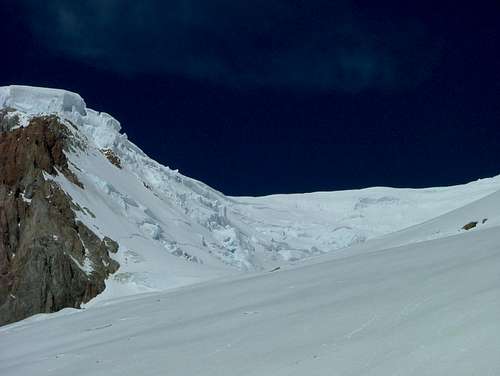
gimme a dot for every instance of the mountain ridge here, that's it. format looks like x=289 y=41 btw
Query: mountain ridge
x=172 y=230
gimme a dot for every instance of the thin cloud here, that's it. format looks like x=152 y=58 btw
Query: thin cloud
x=319 y=45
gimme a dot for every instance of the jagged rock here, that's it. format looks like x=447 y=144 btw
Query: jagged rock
x=48 y=260
x=112 y=157
x=8 y=122
x=469 y=226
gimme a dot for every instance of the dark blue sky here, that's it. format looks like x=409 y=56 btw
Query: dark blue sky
x=258 y=97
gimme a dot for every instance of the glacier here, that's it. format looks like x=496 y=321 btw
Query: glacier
x=174 y=230
x=424 y=308
x=377 y=281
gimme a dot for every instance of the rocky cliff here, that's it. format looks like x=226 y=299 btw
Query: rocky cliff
x=48 y=259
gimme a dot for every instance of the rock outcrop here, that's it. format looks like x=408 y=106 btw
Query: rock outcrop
x=48 y=259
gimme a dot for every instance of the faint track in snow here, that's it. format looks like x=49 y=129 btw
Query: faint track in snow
x=363 y=326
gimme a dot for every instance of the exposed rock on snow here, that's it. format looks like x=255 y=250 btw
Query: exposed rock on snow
x=470 y=225
x=112 y=157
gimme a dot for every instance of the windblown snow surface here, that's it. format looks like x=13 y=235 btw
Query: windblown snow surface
x=379 y=281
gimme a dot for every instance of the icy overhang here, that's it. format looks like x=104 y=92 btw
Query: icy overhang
x=35 y=100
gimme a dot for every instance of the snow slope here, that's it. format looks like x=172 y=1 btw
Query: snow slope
x=483 y=212
x=332 y=220
x=174 y=231
x=396 y=286
x=427 y=308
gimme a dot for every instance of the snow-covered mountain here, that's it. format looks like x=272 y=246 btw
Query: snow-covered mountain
x=173 y=230
x=379 y=281
x=425 y=308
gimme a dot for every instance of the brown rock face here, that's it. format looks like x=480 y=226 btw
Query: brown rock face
x=112 y=157
x=48 y=259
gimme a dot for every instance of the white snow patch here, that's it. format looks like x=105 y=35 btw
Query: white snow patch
x=25 y=199
x=87 y=266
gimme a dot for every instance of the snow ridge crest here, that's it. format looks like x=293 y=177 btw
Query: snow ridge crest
x=35 y=100
x=101 y=128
